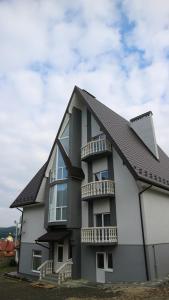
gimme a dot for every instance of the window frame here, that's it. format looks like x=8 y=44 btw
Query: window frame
x=100 y=174
x=102 y=214
x=53 y=206
x=34 y=256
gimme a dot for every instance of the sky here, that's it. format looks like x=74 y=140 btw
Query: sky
x=117 y=50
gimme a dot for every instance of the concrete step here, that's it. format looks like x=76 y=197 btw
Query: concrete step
x=51 y=278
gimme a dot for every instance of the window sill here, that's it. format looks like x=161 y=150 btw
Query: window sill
x=109 y=270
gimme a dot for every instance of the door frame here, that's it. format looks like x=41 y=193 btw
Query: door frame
x=103 y=270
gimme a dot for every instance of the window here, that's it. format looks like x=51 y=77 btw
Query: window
x=100 y=260
x=102 y=175
x=109 y=258
x=64 y=138
x=58 y=203
x=59 y=170
x=36 y=260
x=102 y=220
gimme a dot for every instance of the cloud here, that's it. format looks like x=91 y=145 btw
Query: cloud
x=116 y=50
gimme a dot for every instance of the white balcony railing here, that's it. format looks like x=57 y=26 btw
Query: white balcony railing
x=98 y=188
x=99 y=235
x=95 y=146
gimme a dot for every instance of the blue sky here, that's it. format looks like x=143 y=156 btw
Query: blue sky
x=117 y=50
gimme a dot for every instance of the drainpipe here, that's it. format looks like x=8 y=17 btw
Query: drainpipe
x=19 y=238
x=142 y=228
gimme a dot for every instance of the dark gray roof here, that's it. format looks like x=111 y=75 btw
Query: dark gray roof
x=29 y=194
x=133 y=151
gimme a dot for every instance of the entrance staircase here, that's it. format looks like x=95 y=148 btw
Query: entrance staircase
x=61 y=274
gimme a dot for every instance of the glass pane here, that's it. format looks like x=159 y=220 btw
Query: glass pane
x=64 y=213
x=100 y=260
x=65 y=173
x=65 y=144
x=110 y=261
x=37 y=252
x=59 y=173
x=104 y=175
x=36 y=262
x=106 y=219
x=60 y=253
x=99 y=220
x=66 y=131
x=58 y=214
x=61 y=194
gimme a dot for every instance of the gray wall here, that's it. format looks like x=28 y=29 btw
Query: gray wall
x=158 y=258
x=25 y=263
x=128 y=263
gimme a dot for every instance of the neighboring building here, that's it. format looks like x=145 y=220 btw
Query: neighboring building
x=101 y=199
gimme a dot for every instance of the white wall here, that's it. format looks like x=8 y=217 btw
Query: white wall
x=99 y=165
x=127 y=204
x=33 y=223
x=155 y=207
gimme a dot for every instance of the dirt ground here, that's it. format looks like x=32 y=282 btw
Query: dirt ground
x=14 y=289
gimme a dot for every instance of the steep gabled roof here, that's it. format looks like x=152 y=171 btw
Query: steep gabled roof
x=29 y=194
x=142 y=164
x=140 y=161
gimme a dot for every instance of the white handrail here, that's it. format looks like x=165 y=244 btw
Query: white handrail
x=45 y=268
x=102 y=187
x=64 y=271
x=96 y=146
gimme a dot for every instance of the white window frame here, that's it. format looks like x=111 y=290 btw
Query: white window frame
x=109 y=269
x=54 y=206
x=54 y=178
x=104 y=213
x=34 y=256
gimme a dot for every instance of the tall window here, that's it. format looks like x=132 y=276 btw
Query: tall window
x=64 y=138
x=58 y=203
x=36 y=260
x=59 y=170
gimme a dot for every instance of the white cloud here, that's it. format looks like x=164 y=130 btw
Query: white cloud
x=47 y=47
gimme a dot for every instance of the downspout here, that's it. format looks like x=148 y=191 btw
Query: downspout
x=142 y=228
x=19 y=239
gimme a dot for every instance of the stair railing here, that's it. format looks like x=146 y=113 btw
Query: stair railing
x=45 y=268
x=64 y=271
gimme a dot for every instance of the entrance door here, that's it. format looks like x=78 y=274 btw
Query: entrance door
x=59 y=256
x=100 y=266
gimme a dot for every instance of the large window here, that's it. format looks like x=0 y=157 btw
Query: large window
x=64 y=138
x=59 y=170
x=58 y=203
x=36 y=260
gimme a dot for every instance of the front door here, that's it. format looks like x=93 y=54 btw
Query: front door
x=100 y=266
x=59 y=256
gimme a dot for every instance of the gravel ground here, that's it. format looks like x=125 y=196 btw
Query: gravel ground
x=13 y=289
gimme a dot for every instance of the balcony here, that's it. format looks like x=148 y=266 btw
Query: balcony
x=99 y=235
x=96 y=148
x=102 y=188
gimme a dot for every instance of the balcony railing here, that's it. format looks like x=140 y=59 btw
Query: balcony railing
x=99 y=235
x=95 y=147
x=98 y=188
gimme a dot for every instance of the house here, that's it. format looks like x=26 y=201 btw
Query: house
x=98 y=209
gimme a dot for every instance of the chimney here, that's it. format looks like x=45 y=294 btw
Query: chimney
x=144 y=128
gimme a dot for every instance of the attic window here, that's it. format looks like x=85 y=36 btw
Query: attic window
x=64 y=138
